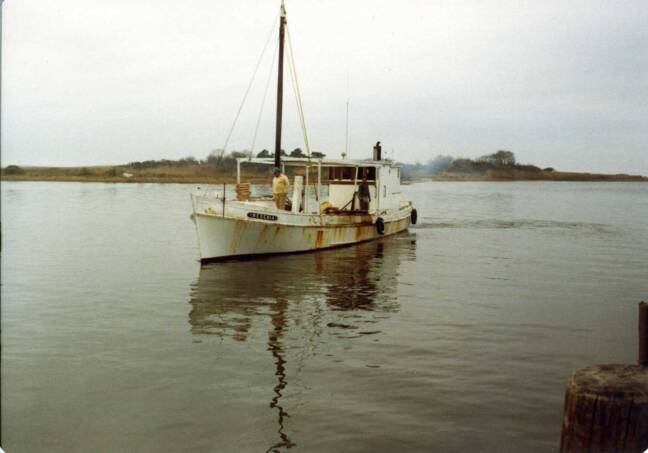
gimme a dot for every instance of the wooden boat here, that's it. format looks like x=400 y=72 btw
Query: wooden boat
x=249 y=225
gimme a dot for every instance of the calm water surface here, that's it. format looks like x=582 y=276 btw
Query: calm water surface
x=456 y=336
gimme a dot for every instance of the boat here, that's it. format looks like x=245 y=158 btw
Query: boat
x=323 y=210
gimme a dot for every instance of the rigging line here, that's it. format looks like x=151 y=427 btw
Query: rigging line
x=247 y=91
x=292 y=80
x=300 y=104
x=265 y=93
x=292 y=76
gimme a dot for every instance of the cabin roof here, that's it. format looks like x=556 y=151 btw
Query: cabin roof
x=304 y=161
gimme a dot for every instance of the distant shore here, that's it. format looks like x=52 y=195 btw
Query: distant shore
x=517 y=175
x=200 y=174
x=133 y=179
x=193 y=174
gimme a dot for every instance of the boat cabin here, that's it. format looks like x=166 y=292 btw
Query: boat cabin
x=342 y=178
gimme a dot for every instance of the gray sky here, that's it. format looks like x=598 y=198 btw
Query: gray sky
x=560 y=83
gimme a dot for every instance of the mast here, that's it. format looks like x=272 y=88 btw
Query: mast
x=282 y=32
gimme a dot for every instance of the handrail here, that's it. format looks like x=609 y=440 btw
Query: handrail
x=355 y=194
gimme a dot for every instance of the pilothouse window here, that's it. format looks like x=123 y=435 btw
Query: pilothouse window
x=348 y=173
x=370 y=172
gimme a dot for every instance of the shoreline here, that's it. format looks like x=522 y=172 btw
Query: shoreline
x=200 y=175
x=257 y=180
x=516 y=175
x=134 y=179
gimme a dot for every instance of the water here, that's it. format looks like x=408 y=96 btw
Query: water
x=456 y=336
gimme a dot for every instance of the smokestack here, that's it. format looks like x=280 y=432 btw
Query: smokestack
x=377 y=151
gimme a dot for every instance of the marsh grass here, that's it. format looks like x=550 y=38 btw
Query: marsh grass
x=200 y=173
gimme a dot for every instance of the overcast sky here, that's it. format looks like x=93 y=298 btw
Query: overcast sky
x=560 y=83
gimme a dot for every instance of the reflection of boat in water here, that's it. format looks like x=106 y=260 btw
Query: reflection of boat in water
x=227 y=297
x=334 y=292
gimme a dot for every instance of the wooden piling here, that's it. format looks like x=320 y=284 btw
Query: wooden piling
x=643 y=334
x=606 y=406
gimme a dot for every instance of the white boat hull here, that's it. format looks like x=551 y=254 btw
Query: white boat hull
x=235 y=234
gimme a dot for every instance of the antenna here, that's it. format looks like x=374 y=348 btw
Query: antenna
x=346 y=135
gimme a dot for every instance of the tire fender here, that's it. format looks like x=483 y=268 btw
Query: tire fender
x=380 y=225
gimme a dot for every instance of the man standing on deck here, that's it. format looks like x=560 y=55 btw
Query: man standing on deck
x=280 y=185
x=364 y=194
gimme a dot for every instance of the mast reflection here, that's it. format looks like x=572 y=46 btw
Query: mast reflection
x=235 y=299
x=275 y=345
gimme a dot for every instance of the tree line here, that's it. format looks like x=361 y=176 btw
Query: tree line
x=500 y=160
x=218 y=159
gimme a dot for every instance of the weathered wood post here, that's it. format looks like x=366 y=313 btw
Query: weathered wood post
x=606 y=406
x=643 y=334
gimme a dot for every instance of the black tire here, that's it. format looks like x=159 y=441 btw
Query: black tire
x=380 y=225
x=414 y=216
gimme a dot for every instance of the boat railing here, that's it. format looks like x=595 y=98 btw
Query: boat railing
x=208 y=192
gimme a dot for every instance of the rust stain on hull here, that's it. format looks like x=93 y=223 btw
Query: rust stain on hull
x=253 y=238
x=364 y=232
x=319 y=239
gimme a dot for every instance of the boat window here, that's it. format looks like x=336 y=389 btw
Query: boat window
x=335 y=173
x=370 y=172
x=348 y=173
